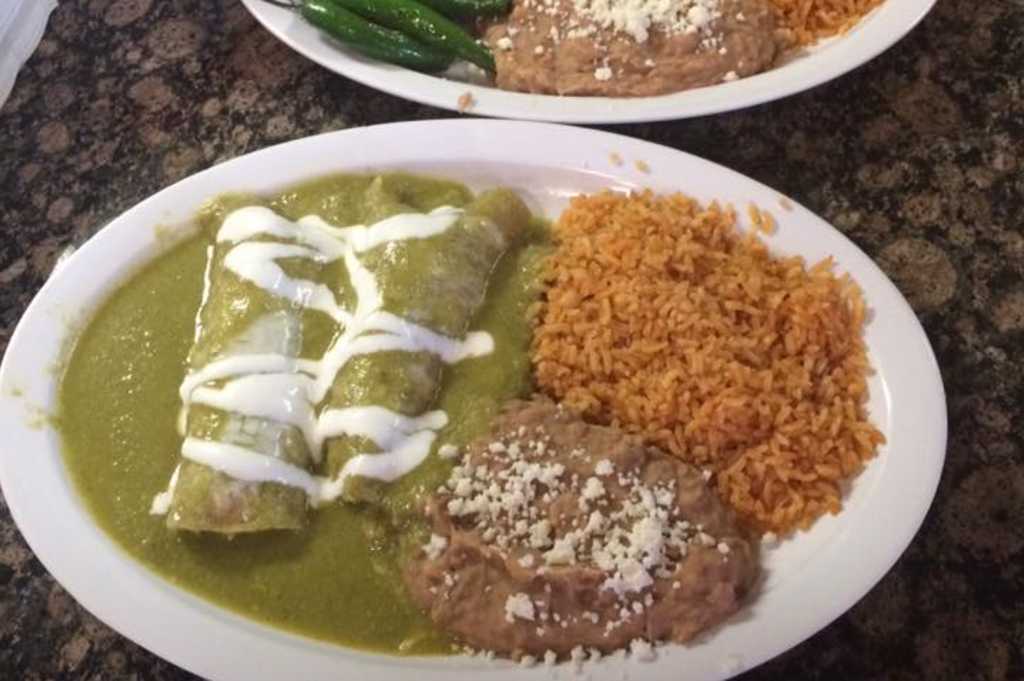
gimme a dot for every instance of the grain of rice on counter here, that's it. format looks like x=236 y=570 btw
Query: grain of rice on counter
x=662 y=318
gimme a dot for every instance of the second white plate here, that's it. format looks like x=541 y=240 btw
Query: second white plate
x=825 y=61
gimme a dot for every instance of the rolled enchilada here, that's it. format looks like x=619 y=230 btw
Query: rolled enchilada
x=238 y=319
x=435 y=286
x=315 y=339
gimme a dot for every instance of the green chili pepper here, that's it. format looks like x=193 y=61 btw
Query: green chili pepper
x=468 y=9
x=372 y=40
x=423 y=24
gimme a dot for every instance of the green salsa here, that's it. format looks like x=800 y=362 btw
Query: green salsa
x=338 y=579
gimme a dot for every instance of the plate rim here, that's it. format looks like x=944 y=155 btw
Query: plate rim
x=156 y=639
x=827 y=60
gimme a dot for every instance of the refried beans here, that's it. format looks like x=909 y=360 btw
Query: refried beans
x=553 y=536
x=633 y=47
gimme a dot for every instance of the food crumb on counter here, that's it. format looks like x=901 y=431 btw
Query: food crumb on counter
x=466 y=101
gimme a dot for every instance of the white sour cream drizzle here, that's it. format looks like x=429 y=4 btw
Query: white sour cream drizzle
x=162 y=502
x=286 y=389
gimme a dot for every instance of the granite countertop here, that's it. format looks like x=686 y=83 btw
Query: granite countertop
x=918 y=157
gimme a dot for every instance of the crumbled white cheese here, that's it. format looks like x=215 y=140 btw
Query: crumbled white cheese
x=504 y=43
x=593 y=489
x=464 y=487
x=577 y=655
x=629 y=578
x=603 y=73
x=550 y=657
x=595 y=523
x=647 y=541
x=519 y=605
x=563 y=552
x=447 y=451
x=723 y=548
x=540 y=534
x=637 y=18
x=641 y=650
x=730 y=76
x=538 y=50
x=633 y=537
x=527 y=661
x=435 y=547
x=698 y=16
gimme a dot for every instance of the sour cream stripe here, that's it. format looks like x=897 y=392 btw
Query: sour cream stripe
x=283 y=398
x=312 y=230
x=404 y=457
x=249 y=466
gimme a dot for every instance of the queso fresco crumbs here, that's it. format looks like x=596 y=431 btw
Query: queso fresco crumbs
x=551 y=534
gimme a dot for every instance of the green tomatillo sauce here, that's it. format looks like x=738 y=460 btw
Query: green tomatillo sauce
x=338 y=579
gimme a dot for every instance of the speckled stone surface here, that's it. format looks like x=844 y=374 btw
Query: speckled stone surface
x=918 y=157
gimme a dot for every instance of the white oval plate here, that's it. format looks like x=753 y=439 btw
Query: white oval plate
x=821 y=63
x=811 y=580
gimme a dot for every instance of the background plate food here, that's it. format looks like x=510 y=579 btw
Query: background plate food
x=811 y=579
x=825 y=61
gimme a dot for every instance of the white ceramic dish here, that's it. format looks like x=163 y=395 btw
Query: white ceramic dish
x=812 y=578
x=825 y=61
